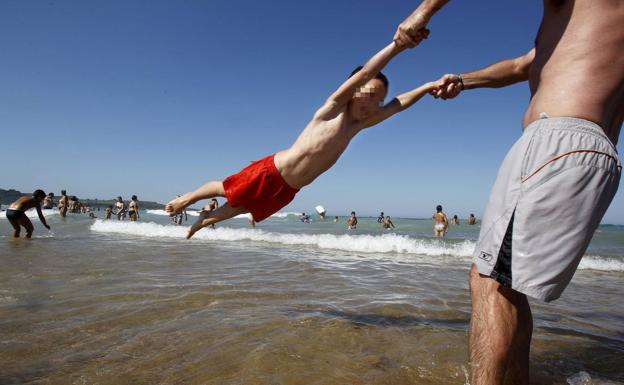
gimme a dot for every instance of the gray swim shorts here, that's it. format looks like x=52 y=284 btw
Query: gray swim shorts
x=551 y=192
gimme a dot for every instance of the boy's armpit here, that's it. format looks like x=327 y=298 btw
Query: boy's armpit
x=328 y=111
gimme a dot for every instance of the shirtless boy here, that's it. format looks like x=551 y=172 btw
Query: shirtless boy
x=63 y=204
x=267 y=185
x=16 y=213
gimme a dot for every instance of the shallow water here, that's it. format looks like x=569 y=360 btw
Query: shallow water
x=287 y=303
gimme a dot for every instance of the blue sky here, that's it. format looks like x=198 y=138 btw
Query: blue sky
x=156 y=97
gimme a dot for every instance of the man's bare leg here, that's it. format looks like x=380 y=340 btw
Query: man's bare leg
x=500 y=333
x=207 y=218
x=16 y=228
x=24 y=221
x=209 y=190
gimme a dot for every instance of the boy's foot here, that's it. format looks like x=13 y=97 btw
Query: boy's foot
x=199 y=224
x=177 y=205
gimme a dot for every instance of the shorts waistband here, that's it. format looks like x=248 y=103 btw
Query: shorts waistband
x=568 y=122
x=572 y=124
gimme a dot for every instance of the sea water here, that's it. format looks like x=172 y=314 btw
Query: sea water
x=109 y=302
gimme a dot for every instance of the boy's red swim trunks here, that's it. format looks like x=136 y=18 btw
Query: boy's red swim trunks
x=259 y=188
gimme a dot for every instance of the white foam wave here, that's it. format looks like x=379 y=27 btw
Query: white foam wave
x=386 y=243
x=591 y=262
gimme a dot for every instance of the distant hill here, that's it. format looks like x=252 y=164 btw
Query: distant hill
x=9 y=196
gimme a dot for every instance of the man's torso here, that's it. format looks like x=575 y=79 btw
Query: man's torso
x=578 y=70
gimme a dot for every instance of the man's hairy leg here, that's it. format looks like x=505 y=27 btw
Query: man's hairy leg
x=209 y=190
x=500 y=333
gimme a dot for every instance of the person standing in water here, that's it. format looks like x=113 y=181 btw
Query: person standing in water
x=441 y=223
x=17 y=216
x=121 y=209
x=63 y=204
x=108 y=212
x=352 y=221
x=133 y=209
x=48 y=202
x=387 y=223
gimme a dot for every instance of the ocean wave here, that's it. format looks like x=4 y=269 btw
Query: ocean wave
x=592 y=262
x=386 y=243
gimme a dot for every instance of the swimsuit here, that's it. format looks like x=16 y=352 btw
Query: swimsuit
x=551 y=192
x=259 y=188
x=439 y=227
x=15 y=215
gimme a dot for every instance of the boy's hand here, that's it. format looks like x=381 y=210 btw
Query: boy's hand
x=448 y=87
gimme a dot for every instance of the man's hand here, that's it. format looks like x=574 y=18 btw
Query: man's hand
x=408 y=31
x=448 y=87
x=410 y=41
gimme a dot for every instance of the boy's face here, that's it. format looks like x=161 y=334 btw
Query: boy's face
x=367 y=100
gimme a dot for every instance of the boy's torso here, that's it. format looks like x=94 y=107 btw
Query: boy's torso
x=316 y=149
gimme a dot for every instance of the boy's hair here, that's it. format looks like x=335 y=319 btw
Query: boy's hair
x=63 y=192
x=379 y=76
x=134 y=197
x=439 y=208
x=39 y=194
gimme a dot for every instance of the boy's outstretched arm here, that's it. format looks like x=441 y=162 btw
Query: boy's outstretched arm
x=399 y=104
x=345 y=92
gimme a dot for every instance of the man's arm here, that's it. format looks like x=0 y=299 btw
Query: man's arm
x=42 y=218
x=399 y=103
x=408 y=29
x=501 y=74
x=345 y=92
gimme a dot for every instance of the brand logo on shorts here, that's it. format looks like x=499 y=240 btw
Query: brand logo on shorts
x=485 y=256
